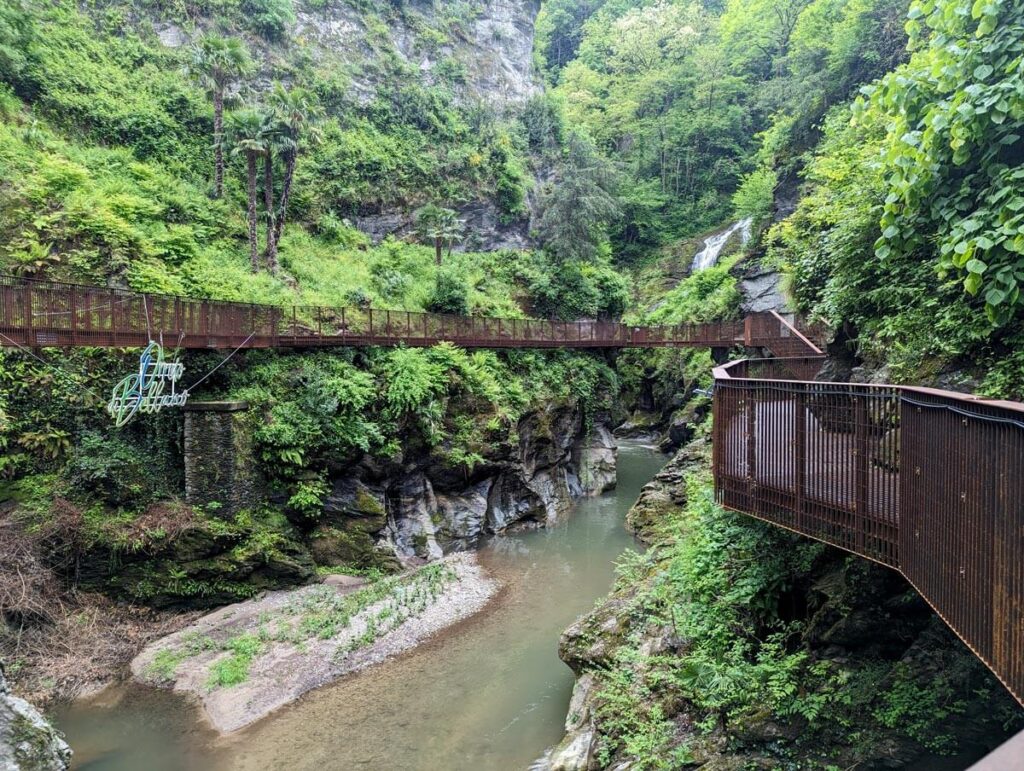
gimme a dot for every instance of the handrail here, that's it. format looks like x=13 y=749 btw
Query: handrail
x=925 y=481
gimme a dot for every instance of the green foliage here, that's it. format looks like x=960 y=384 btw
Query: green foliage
x=578 y=209
x=113 y=468
x=707 y=295
x=16 y=31
x=920 y=709
x=756 y=195
x=234 y=669
x=718 y=583
x=270 y=18
x=905 y=313
x=574 y=290
x=115 y=90
x=450 y=295
x=678 y=92
x=952 y=144
x=438 y=226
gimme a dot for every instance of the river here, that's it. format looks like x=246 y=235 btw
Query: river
x=488 y=693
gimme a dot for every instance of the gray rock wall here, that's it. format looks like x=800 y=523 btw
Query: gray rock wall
x=493 y=45
x=427 y=509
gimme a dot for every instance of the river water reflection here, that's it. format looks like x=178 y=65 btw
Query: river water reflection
x=490 y=693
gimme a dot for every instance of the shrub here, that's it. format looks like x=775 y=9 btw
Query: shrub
x=450 y=295
x=269 y=17
x=110 y=466
x=756 y=195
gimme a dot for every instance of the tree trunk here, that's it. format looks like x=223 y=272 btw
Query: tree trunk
x=286 y=192
x=218 y=141
x=437 y=250
x=254 y=255
x=268 y=204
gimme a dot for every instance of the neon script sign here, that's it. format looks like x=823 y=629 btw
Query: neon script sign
x=144 y=391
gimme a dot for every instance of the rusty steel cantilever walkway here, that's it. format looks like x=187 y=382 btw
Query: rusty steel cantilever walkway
x=928 y=482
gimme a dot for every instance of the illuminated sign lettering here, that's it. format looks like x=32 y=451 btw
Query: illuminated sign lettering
x=144 y=391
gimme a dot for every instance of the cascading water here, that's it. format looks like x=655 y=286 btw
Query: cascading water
x=713 y=245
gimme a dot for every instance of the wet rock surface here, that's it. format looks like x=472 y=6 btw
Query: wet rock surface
x=667 y=491
x=425 y=508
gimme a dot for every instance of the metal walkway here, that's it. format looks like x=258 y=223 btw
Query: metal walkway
x=928 y=482
x=41 y=314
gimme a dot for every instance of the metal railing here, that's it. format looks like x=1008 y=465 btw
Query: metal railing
x=927 y=482
x=40 y=313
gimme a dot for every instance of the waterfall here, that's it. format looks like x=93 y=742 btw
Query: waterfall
x=708 y=256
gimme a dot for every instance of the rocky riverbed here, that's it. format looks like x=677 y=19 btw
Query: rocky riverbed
x=246 y=660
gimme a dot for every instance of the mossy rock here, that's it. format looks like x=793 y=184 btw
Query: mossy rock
x=349 y=546
x=353 y=505
x=204 y=566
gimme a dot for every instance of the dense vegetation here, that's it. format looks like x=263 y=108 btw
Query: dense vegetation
x=911 y=227
x=707 y=105
x=733 y=639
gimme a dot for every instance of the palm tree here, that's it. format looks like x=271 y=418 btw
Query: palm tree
x=276 y=142
x=439 y=225
x=247 y=129
x=216 y=62
x=296 y=110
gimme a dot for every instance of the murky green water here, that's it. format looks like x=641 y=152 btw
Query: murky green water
x=489 y=693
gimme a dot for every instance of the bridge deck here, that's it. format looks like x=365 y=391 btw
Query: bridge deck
x=34 y=313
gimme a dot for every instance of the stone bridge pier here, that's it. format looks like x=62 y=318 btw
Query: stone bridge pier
x=219 y=465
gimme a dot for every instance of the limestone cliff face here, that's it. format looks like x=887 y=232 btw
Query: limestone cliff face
x=482 y=51
x=488 y=44
x=422 y=508
x=492 y=43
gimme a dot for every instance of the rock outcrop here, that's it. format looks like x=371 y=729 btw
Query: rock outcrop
x=666 y=491
x=27 y=741
x=493 y=46
x=424 y=508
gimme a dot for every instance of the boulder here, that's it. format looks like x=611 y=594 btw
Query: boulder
x=27 y=741
x=462 y=517
x=413 y=508
x=510 y=500
x=355 y=505
x=596 y=459
x=556 y=487
x=666 y=492
x=641 y=425
x=546 y=436
x=683 y=423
